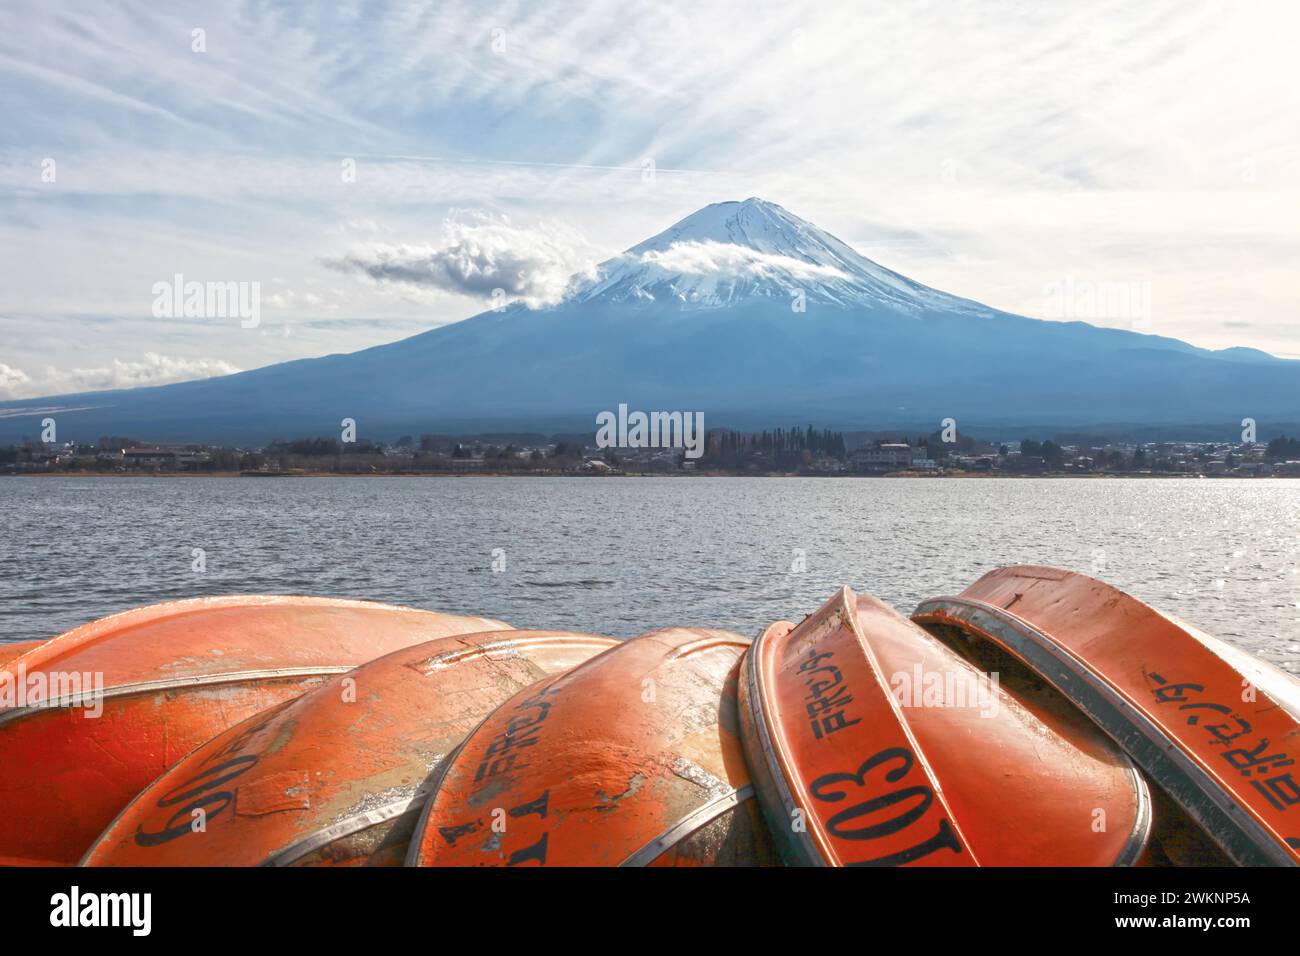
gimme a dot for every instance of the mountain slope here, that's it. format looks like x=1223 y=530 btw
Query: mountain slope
x=706 y=317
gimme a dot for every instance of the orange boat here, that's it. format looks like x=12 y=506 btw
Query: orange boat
x=631 y=759
x=873 y=744
x=339 y=775
x=93 y=716
x=1217 y=729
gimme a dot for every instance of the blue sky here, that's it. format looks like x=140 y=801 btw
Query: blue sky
x=997 y=150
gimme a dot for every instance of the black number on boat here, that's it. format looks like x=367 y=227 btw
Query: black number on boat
x=829 y=788
x=196 y=791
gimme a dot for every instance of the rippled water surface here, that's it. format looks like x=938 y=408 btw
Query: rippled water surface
x=621 y=556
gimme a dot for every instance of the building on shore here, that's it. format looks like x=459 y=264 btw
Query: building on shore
x=884 y=457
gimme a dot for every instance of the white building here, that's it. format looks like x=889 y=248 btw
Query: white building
x=889 y=456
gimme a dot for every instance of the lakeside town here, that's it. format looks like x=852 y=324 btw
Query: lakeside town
x=780 y=451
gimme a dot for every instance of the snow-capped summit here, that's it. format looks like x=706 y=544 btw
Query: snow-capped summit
x=728 y=252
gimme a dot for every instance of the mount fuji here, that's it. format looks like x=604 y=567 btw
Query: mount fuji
x=742 y=311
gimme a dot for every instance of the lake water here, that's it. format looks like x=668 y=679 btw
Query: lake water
x=621 y=556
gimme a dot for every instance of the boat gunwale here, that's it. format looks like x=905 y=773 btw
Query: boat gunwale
x=1234 y=826
x=142 y=688
x=688 y=825
x=796 y=846
x=349 y=826
x=414 y=853
x=1143 y=820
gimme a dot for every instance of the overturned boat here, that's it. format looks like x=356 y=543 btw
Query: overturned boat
x=631 y=759
x=873 y=744
x=339 y=775
x=93 y=716
x=1216 y=729
x=1039 y=717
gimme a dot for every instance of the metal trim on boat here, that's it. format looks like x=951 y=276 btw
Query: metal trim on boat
x=326 y=836
x=1142 y=823
x=797 y=846
x=1235 y=830
x=78 y=701
x=689 y=824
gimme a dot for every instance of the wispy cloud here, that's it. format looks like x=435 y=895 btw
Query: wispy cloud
x=985 y=147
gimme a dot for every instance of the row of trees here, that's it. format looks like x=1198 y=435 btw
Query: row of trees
x=780 y=448
x=323 y=447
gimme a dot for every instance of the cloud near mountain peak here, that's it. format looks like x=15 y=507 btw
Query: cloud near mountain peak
x=480 y=254
x=728 y=260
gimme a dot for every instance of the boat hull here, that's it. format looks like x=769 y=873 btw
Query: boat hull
x=154 y=683
x=1217 y=729
x=9 y=651
x=631 y=759
x=338 y=776
x=853 y=768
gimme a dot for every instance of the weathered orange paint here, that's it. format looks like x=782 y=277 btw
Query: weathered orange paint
x=9 y=651
x=854 y=769
x=625 y=760
x=1235 y=716
x=173 y=675
x=338 y=776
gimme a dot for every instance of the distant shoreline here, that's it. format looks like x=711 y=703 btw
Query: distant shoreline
x=639 y=474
